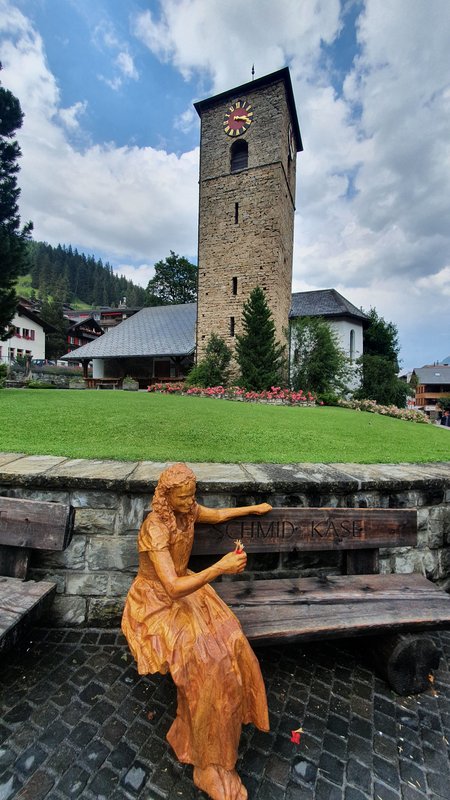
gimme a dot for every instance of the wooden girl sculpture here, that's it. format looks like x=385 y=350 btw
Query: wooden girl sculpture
x=174 y=621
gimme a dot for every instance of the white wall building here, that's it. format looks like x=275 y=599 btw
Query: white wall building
x=28 y=338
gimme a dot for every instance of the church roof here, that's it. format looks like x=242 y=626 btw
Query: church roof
x=324 y=303
x=259 y=83
x=155 y=331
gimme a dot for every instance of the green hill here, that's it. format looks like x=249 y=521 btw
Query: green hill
x=72 y=277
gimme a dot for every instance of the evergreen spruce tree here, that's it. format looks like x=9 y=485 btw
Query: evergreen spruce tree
x=12 y=237
x=260 y=357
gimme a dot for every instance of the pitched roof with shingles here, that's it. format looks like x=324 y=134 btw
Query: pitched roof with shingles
x=324 y=303
x=156 y=331
x=437 y=374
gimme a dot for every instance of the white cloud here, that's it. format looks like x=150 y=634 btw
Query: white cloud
x=104 y=37
x=130 y=203
x=222 y=40
x=141 y=274
x=70 y=116
x=186 y=120
x=126 y=65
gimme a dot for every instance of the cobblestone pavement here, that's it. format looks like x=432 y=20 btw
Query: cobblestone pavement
x=78 y=722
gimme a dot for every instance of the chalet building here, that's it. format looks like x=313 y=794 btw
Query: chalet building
x=433 y=385
x=106 y=316
x=156 y=344
x=82 y=331
x=28 y=338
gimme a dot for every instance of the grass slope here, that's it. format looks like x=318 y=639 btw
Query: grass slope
x=25 y=289
x=140 y=426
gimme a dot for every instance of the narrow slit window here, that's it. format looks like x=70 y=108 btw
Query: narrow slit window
x=236 y=213
x=234 y=285
x=231 y=326
x=352 y=346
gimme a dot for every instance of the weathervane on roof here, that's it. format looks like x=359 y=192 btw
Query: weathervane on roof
x=253 y=72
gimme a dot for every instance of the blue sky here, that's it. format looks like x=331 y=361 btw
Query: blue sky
x=110 y=138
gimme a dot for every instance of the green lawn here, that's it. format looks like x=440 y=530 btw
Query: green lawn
x=141 y=426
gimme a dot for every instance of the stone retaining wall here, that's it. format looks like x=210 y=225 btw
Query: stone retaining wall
x=94 y=573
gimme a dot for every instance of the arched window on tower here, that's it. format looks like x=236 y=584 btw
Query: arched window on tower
x=239 y=155
x=352 y=346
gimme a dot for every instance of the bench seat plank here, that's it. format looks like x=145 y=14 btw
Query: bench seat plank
x=311 y=608
x=21 y=605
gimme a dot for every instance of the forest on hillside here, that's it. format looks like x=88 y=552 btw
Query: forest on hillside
x=69 y=276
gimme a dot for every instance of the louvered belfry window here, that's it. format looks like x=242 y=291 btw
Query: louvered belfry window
x=239 y=156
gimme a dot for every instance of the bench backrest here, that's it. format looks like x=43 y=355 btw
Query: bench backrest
x=360 y=532
x=27 y=525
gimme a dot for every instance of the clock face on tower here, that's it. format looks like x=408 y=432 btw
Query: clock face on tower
x=238 y=118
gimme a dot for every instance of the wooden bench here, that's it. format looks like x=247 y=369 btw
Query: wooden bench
x=358 y=602
x=27 y=525
x=104 y=383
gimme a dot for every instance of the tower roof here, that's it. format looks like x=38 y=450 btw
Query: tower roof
x=259 y=83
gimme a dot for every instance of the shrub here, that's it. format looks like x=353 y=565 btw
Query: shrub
x=327 y=398
x=41 y=385
x=214 y=369
x=372 y=407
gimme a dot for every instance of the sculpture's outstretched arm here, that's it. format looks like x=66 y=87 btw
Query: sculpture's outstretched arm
x=214 y=516
x=177 y=587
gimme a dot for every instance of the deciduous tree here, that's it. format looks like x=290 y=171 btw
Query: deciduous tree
x=319 y=363
x=175 y=281
x=379 y=364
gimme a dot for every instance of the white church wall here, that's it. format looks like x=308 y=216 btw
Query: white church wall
x=350 y=339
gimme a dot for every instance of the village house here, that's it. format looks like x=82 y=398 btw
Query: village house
x=28 y=337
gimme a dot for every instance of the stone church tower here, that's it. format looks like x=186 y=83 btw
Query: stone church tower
x=250 y=137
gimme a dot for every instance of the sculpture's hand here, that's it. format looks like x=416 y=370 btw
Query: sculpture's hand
x=232 y=563
x=262 y=508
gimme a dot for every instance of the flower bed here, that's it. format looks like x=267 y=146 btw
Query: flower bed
x=276 y=395
x=388 y=411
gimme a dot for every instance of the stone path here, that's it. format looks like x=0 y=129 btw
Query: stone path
x=78 y=722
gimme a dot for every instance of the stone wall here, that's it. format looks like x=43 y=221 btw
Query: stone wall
x=93 y=575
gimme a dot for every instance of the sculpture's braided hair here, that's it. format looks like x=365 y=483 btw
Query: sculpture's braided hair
x=173 y=477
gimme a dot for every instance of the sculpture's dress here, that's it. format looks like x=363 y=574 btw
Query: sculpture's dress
x=218 y=679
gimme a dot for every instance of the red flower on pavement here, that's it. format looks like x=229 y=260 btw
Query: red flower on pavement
x=295 y=735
